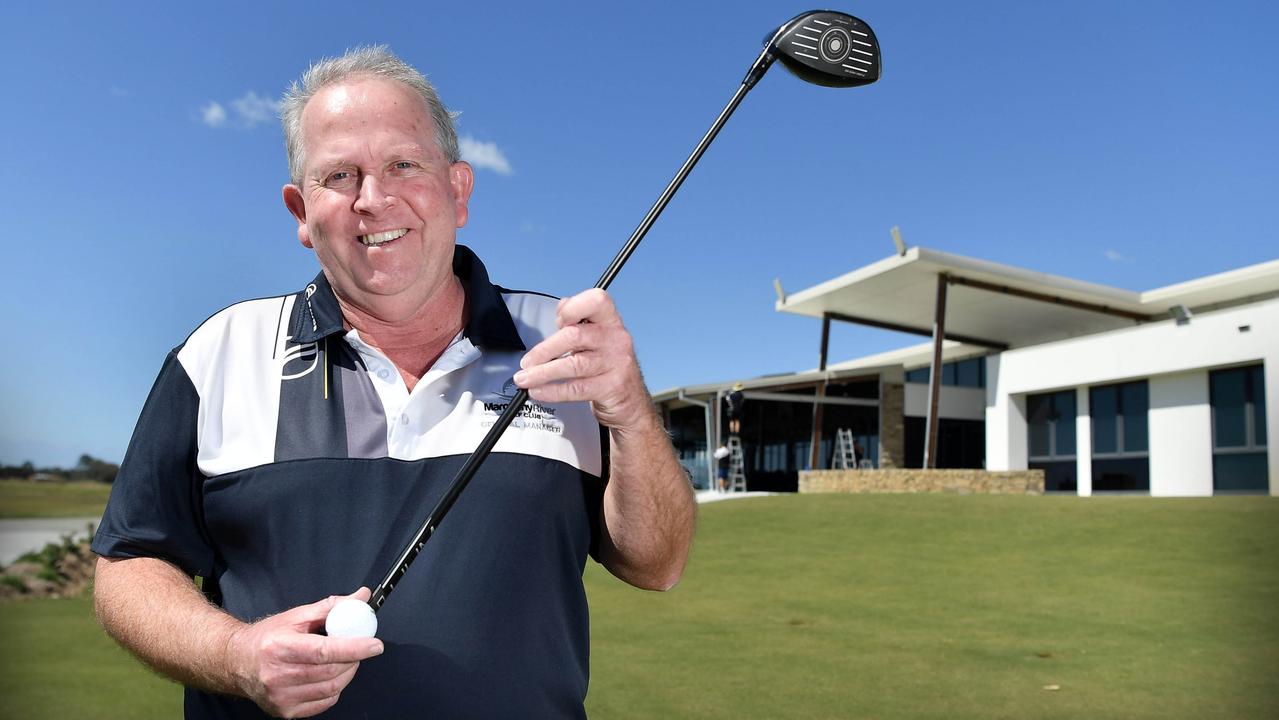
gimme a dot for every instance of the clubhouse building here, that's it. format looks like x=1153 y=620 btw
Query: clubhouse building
x=1168 y=392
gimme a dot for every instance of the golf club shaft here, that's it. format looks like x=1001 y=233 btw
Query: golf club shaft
x=460 y=481
x=625 y=253
x=508 y=415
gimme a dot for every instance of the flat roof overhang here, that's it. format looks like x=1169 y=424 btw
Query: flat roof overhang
x=1003 y=306
x=775 y=383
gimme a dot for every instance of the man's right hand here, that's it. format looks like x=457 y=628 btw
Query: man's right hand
x=287 y=669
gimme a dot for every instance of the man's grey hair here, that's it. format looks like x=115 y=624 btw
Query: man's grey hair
x=374 y=60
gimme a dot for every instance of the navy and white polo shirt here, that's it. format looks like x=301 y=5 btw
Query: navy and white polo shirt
x=283 y=460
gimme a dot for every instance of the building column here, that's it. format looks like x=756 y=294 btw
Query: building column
x=934 y=376
x=892 y=423
x=814 y=453
x=1007 y=442
x=1083 y=441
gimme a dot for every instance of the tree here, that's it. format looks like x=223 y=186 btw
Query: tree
x=91 y=468
x=24 y=471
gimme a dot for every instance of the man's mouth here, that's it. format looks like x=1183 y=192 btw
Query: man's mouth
x=382 y=238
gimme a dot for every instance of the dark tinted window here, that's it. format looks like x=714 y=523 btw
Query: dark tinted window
x=1135 y=404
x=1105 y=419
x=1229 y=407
x=1051 y=424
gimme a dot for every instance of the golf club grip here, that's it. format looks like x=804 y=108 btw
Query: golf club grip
x=460 y=481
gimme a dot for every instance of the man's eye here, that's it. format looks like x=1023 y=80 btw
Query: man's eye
x=403 y=165
x=341 y=177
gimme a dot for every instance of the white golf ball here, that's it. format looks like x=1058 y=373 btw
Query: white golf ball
x=351 y=618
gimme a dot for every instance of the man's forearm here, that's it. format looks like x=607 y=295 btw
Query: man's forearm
x=649 y=509
x=278 y=662
x=154 y=610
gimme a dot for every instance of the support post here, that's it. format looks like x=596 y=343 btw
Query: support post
x=814 y=453
x=710 y=437
x=934 y=374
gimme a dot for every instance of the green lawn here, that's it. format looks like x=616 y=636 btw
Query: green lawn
x=873 y=606
x=57 y=663
x=938 y=606
x=26 y=499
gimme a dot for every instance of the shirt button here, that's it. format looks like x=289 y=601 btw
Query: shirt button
x=384 y=373
x=404 y=418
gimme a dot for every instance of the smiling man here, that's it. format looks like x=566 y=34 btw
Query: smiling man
x=291 y=445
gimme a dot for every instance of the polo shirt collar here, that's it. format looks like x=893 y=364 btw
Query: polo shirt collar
x=317 y=314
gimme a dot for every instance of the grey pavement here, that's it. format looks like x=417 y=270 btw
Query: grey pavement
x=23 y=536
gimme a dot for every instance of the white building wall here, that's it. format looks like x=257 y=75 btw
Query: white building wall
x=1180 y=435
x=1149 y=351
x=1007 y=443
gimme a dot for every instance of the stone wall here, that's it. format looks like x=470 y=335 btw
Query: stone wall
x=909 y=480
x=892 y=424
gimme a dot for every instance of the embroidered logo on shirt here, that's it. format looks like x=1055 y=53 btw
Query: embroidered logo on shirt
x=533 y=416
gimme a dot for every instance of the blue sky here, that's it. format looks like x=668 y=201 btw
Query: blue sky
x=1125 y=143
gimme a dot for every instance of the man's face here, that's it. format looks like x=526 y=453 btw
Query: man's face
x=378 y=203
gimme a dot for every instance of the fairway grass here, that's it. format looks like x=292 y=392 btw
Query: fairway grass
x=27 y=499
x=940 y=606
x=57 y=663
x=865 y=606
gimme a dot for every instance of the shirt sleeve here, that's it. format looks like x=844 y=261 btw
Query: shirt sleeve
x=155 y=508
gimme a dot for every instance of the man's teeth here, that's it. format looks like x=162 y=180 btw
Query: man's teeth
x=383 y=237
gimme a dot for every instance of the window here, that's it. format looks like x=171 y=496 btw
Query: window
x=1238 y=398
x=961 y=373
x=948 y=373
x=1120 y=441
x=687 y=428
x=971 y=373
x=1051 y=425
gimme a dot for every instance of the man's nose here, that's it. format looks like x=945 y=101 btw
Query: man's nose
x=373 y=196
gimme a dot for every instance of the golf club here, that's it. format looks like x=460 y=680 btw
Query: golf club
x=823 y=47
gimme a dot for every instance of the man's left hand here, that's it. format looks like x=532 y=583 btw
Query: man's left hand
x=591 y=357
x=648 y=510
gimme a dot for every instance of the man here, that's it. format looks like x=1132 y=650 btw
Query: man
x=291 y=446
x=734 y=402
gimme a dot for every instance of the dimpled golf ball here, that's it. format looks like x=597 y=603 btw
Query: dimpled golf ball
x=351 y=618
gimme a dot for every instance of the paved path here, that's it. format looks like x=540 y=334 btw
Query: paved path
x=706 y=496
x=22 y=536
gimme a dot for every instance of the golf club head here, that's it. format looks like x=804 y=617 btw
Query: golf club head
x=828 y=48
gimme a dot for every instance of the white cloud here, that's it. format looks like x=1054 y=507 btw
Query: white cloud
x=247 y=110
x=1115 y=256
x=213 y=114
x=253 y=108
x=484 y=155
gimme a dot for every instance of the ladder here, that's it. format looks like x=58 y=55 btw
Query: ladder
x=736 y=465
x=845 y=457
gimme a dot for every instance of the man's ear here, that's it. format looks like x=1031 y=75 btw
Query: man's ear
x=462 y=179
x=297 y=208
